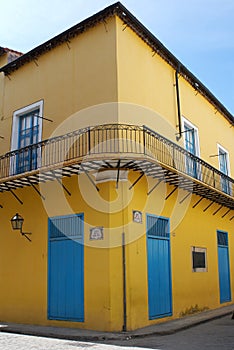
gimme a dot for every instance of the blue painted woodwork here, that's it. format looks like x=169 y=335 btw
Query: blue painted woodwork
x=66 y=268
x=28 y=134
x=223 y=165
x=190 y=146
x=159 y=267
x=224 y=269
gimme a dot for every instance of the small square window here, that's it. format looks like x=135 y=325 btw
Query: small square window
x=199 y=261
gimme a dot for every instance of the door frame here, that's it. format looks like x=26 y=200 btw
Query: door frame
x=169 y=265
x=80 y=319
x=228 y=263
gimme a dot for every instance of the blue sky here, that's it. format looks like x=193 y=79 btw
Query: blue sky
x=200 y=33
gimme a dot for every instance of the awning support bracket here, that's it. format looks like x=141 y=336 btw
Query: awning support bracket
x=187 y=195
x=18 y=199
x=34 y=187
x=199 y=201
x=208 y=206
x=89 y=177
x=117 y=179
x=169 y=195
x=228 y=211
x=218 y=210
x=15 y=195
x=63 y=186
x=137 y=180
x=153 y=188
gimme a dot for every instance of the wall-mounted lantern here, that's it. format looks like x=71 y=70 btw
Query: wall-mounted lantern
x=17 y=224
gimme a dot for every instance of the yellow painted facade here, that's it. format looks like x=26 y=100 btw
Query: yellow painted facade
x=109 y=75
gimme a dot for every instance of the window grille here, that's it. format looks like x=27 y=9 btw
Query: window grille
x=222 y=238
x=158 y=227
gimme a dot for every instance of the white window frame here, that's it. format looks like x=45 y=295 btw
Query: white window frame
x=228 y=165
x=228 y=159
x=197 y=143
x=16 y=118
x=199 y=250
x=196 y=135
x=15 y=129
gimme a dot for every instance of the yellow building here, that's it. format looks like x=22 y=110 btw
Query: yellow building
x=120 y=162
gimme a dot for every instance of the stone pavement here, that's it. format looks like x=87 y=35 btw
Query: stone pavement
x=21 y=342
x=163 y=328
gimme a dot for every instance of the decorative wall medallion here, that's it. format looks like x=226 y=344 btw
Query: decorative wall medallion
x=137 y=216
x=96 y=233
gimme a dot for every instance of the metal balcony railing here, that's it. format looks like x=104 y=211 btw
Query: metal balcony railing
x=113 y=141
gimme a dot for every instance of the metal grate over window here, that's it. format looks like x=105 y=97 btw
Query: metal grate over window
x=222 y=238
x=158 y=227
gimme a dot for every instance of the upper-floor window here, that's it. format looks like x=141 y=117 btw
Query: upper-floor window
x=191 y=144
x=224 y=167
x=26 y=131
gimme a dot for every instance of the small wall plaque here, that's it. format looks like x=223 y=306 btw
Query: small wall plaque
x=96 y=233
x=137 y=216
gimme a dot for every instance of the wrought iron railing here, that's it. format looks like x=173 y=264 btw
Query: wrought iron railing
x=113 y=141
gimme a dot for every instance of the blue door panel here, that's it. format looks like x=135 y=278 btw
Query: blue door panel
x=224 y=274
x=66 y=274
x=223 y=266
x=159 y=270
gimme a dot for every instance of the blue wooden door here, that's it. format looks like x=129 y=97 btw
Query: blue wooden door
x=159 y=267
x=224 y=270
x=190 y=146
x=28 y=135
x=66 y=268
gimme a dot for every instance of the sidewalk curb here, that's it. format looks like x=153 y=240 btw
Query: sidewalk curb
x=181 y=328
x=160 y=329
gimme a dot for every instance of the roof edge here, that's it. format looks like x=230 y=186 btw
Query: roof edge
x=60 y=38
x=129 y=19
x=4 y=50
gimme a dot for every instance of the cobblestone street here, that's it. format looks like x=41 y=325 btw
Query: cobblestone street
x=10 y=341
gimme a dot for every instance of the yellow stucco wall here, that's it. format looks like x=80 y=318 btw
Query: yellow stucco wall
x=190 y=227
x=23 y=272
x=23 y=295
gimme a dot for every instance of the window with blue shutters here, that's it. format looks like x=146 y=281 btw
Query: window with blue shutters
x=191 y=145
x=224 y=168
x=26 y=133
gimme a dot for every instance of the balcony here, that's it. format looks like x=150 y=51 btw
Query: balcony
x=120 y=147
